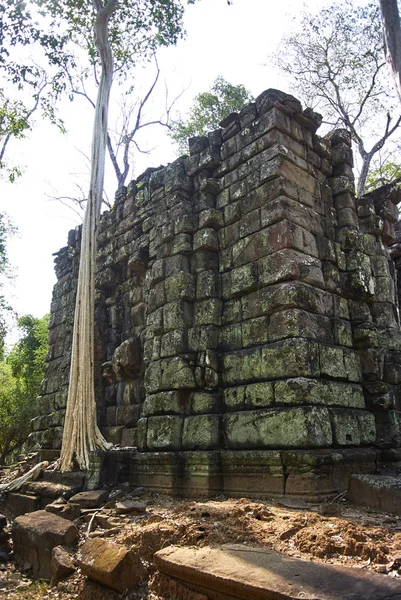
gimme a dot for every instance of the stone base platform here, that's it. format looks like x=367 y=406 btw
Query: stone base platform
x=307 y=474
x=380 y=492
x=236 y=572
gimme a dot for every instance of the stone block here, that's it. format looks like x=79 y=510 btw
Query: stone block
x=205 y=403
x=34 y=537
x=289 y=264
x=352 y=427
x=242 y=366
x=142 y=429
x=22 y=503
x=174 y=342
x=90 y=499
x=284 y=296
x=206 y=240
x=201 y=432
x=286 y=208
x=181 y=244
x=299 y=323
x=62 y=564
x=176 y=374
x=164 y=433
x=230 y=337
x=211 y=218
x=232 y=312
x=203 y=338
x=172 y=402
x=180 y=286
x=332 y=362
x=243 y=279
x=129 y=437
x=177 y=315
x=290 y=358
x=207 y=285
x=301 y=390
x=254 y=395
x=306 y=427
x=111 y=564
x=208 y=312
x=256 y=331
x=278 y=236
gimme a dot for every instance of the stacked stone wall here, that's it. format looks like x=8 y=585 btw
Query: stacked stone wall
x=248 y=335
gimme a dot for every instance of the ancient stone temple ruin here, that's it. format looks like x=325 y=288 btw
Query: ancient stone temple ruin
x=248 y=336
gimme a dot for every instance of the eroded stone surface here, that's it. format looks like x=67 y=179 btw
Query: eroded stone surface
x=111 y=564
x=243 y=572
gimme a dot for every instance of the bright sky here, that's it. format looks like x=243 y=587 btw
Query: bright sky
x=232 y=41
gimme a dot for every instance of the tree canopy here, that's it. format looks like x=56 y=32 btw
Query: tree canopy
x=208 y=109
x=337 y=67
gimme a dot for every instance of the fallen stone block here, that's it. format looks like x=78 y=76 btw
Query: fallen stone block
x=65 y=510
x=380 y=492
x=111 y=564
x=90 y=498
x=241 y=572
x=129 y=506
x=22 y=503
x=35 y=535
x=62 y=564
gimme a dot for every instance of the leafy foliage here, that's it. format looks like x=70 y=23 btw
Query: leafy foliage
x=382 y=175
x=21 y=373
x=337 y=67
x=208 y=110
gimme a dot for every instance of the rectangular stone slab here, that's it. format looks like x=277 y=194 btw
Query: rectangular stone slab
x=239 y=572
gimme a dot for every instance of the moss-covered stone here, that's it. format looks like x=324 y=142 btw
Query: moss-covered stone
x=255 y=331
x=177 y=314
x=306 y=427
x=164 y=433
x=301 y=390
x=207 y=285
x=290 y=358
x=180 y=286
x=208 y=312
x=201 y=432
x=205 y=403
x=242 y=366
x=177 y=374
x=172 y=402
x=254 y=395
x=174 y=342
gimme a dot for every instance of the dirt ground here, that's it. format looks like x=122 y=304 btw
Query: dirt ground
x=353 y=537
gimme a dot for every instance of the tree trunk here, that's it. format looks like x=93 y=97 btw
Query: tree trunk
x=392 y=39
x=81 y=433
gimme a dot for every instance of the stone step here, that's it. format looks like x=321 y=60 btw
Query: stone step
x=237 y=572
x=379 y=492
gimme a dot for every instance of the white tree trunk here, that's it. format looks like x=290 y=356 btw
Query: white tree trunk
x=81 y=433
x=392 y=39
